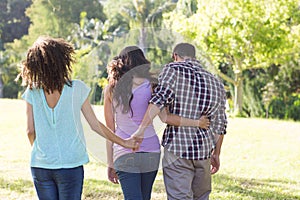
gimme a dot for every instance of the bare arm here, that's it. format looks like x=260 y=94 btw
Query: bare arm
x=110 y=123
x=102 y=130
x=30 y=123
x=219 y=125
x=176 y=120
x=151 y=112
x=215 y=158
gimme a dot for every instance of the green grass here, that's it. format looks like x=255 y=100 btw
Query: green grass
x=18 y=186
x=260 y=159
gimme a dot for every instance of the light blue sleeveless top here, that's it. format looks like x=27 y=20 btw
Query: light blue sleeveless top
x=60 y=141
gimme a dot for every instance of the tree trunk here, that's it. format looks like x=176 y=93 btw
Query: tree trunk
x=238 y=94
x=142 y=39
x=1 y=86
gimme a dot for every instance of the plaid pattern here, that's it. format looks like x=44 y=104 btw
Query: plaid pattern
x=190 y=91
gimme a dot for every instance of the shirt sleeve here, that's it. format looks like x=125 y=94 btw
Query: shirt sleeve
x=27 y=96
x=84 y=92
x=219 y=122
x=164 y=92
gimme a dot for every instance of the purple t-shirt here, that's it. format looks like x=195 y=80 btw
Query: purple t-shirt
x=128 y=123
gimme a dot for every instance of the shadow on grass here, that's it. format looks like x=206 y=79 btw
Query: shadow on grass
x=243 y=188
x=19 y=185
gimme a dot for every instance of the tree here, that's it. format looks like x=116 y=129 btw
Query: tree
x=144 y=14
x=8 y=73
x=242 y=34
x=14 y=21
x=13 y=25
x=3 y=8
x=57 y=18
x=68 y=12
x=92 y=52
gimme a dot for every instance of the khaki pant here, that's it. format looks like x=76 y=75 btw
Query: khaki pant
x=186 y=179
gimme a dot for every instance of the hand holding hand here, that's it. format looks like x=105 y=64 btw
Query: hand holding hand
x=112 y=175
x=138 y=136
x=132 y=143
x=204 y=122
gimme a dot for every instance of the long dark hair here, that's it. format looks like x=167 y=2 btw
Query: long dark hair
x=121 y=70
x=48 y=64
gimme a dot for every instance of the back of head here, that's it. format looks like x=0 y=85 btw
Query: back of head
x=133 y=56
x=130 y=63
x=48 y=64
x=185 y=50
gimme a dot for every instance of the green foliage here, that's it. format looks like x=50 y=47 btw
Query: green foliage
x=242 y=34
x=13 y=21
x=287 y=80
x=84 y=24
x=62 y=15
x=69 y=10
x=281 y=89
x=90 y=67
x=11 y=89
x=252 y=106
x=8 y=73
x=245 y=42
x=277 y=108
x=145 y=13
x=259 y=90
x=285 y=108
x=293 y=110
x=145 y=16
x=44 y=22
x=58 y=18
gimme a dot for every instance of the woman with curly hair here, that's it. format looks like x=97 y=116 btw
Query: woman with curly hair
x=125 y=103
x=53 y=105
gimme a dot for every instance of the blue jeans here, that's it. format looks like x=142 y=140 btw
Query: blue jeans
x=137 y=172
x=58 y=184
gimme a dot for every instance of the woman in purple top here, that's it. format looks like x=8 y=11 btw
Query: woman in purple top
x=125 y=103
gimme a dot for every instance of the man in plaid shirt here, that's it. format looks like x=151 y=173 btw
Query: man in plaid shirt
x=191 y=154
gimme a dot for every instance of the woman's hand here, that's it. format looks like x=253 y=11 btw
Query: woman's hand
x=138 y=136
x=204 y=122
x=132 y=143
x=112 y=175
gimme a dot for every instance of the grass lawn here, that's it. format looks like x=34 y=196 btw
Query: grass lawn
x=260 y=160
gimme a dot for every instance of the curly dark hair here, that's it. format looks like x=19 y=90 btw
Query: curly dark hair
x=121 y=70
x=48 y=64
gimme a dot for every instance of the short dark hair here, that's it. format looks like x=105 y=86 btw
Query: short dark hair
x=185 y=50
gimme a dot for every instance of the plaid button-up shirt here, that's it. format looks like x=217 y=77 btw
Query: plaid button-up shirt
x=190 y=91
